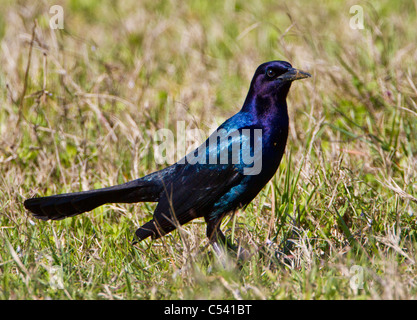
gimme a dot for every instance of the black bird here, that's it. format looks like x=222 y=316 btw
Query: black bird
x=225 y=173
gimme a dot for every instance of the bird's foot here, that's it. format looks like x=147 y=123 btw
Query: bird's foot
x=243 y=254
x=220 y=253
x=227 y=253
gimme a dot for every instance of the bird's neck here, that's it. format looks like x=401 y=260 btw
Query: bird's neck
x=267 y=109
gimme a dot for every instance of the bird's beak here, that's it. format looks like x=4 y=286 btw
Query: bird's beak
x=294 y=74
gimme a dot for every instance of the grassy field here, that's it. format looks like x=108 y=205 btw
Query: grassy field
x=79 y=108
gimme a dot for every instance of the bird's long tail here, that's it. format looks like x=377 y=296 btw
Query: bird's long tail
x=70 y=204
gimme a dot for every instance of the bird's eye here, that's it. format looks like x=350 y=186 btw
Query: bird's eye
x=270 y=73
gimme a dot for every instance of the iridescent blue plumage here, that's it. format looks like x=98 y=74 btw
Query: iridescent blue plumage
x=225 y=173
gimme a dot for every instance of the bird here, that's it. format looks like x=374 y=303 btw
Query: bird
x=224 y=174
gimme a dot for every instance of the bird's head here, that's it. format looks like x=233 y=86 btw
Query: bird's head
x=274 y=78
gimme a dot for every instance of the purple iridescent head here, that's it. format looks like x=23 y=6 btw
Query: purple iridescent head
x=274 y=78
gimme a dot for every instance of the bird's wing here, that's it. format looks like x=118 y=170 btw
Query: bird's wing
x=194 y=189
x=193 y=193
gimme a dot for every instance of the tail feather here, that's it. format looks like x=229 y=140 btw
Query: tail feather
x=65 y=205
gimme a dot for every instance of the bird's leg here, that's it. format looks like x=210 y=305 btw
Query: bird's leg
x=220 y=243
x=217 y=240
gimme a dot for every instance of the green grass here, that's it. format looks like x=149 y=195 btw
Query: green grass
x=79 y=108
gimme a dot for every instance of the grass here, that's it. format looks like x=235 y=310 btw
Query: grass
x=79 y=108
